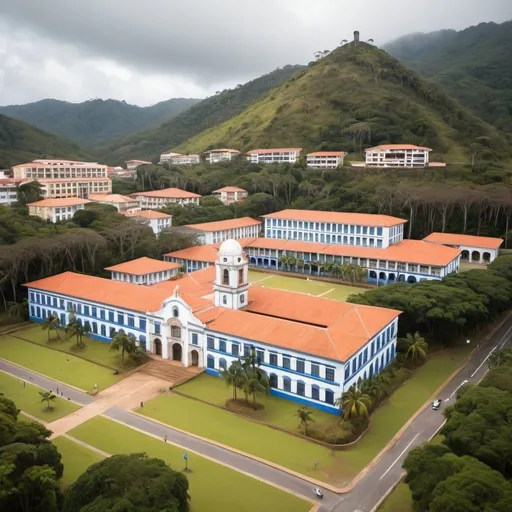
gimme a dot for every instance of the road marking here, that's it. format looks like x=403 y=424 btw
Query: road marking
x=494 y=348
x=325 y=293
x=398 y=458
x=462 y=384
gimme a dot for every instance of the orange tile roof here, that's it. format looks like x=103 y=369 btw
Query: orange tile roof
x=65 y=201
x=167 y=193
x=137 y=162
x=223 y=150
x=363 y=219
x=468 y=240
x=66 y=180
x=327 y=153
x=229 y=189
x=206 y=253
x=36 y=164
x=222 y=225
x=143 y=266
x=193 y=284
x=397 y=147
x=112 y=198
x=148 y=214
x=272 y=150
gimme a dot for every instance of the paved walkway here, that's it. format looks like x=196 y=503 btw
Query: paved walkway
x=371 y=486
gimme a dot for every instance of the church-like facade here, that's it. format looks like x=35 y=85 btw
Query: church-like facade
x=313 y=349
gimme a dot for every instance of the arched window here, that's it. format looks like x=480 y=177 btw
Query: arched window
x=222 y=363
x=315 y=392
x=241 y=276
x=242 y=298
x=142 y=341
x=329 y=397
x=175 y=331
x=175 y=312
x=103 y=330
x=301 y=388
x=225 y=276
x=224 y=299
x=287 y=384
x=273 y=380
x=210 y=362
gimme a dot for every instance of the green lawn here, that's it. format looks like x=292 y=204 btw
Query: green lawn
x=57 y=365
x=94 y=350
x=28 y=400
x=289 y=451
x=295 y=284
x=75 y=457
x=212 y=486
x=465 y=266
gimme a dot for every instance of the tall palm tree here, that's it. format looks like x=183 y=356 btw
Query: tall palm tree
x=48 y=397
x=50 y=324
x=233 y=376
x=305 y=415
x=18 y=310
x=415 y=347
x=498 y=357
x=373 y=387
x=354 y=403
x=255 y=382
x=124 y=342
x=30 y=192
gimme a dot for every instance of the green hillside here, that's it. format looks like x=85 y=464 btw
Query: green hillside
x=20 y=143
x=357 y=97
x=95 y=121
x=473 y=65
x=207 y=113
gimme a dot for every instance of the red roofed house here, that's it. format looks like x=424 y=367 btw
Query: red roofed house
x=218 y=231
x=230 y=195
x=157 y=221
x=313 y=349
x=215 y=156
x=144 y=271
x=274 y=156
x=325 y=159
x=474 y=249
x=160 y=198
x=122 y=203
x=397 y=155
x=56 y=210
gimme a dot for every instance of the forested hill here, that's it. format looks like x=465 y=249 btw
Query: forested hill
x=96 y=121
x=20 y=143
x=473 y=65
x=356 y=97
x=207 y=113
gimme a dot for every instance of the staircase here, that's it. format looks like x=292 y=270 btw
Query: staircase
x=172 y=372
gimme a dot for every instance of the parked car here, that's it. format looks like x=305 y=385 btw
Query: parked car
x=318 y=492
x=436 y=404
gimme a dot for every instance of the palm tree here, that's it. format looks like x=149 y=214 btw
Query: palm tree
x=75 y=328
x=416 y=347
x=18 y=310
x=124 y=342
x=354 y=403
x=233 y=376
x=48 y=397
x=51 y=323
x=304 y=414
x=498 y=357
x=255 y=382
x=30 y=192
x=373 y=387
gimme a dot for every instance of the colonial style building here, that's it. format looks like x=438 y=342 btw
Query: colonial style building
x=213 y=232
x=144 y=271
x=215 y=156
x=165 y=158
x=160 y=198
x=325 y=159
x=56 y=210
x=122 y=203
x=274 y=156
x=194 y=258
x=157 y=221
x=474 y=249
x=230 y=195
x=397 y=155
x=313 y=349
x=179 y=159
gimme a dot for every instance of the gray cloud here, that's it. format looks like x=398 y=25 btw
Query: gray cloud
x=146 y=51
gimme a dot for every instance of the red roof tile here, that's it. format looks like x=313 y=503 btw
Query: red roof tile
x=143 y=266
x=468 y=240
x=65 y=201
x=223 y=225
x=398 y=147
x=167 y=193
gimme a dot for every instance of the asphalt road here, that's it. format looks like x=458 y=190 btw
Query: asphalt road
x=370 y=489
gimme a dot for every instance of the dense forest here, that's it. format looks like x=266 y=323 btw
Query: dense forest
x=204 y=115
x=356 y=97
x=95 y=121
x=472 y=65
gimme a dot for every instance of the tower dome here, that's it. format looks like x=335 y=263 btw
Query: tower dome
x=230 y=248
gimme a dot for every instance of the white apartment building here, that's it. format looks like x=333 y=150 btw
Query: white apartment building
x=397 y=155
x=274 y=156
x=156 y=199
x=131 y=165
x=122 y=203
x=54 y=188
x=146 y=271
x=215 y=156
x=230 y=195
x=179 y=159
x=360 y=229
x=55 y=210
x=166 y=157
x=325 y=159
x=8 y=187
x=214 y=232
x=157 y=221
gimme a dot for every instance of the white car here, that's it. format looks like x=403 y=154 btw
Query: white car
x=318 y=492
x=436 y=404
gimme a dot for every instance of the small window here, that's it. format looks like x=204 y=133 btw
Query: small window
x=241 y=276
x=235 y=349
x=273 y=359
x=242 y=299
x=224 y=300
x=176 y=331
x=301 y=388
x=210 y=342
x=260 y=356
x=315 y=392
x=286 y=362
x=329 y=374
x=222 y=345
x=315 y=370
x=222 y=364
x=225 y=276
x=195 y=339
x=175 y=312
x=287 y=384
x=300 y=365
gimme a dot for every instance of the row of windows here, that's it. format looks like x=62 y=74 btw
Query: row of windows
x=272 y=360
x=329 y=239
x=326 y=226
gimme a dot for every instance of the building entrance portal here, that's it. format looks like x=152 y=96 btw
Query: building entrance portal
x=176 y=352
x=157 y=347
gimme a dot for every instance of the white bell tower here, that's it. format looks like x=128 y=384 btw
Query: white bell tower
x=231 y=276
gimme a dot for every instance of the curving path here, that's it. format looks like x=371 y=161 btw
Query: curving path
x=370 y=489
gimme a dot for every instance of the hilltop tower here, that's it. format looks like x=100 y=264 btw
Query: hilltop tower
x=356 y=37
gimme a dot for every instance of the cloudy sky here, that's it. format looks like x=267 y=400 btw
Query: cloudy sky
x=145 y=51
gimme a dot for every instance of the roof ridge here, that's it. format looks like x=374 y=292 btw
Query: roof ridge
x=362 y=322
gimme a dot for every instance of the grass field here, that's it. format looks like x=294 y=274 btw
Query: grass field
x=57 y=365
x=295 y=284
x=75 y=457
x=465 y=266
x=28 y=400
x=292 y=452
x=212 y=486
